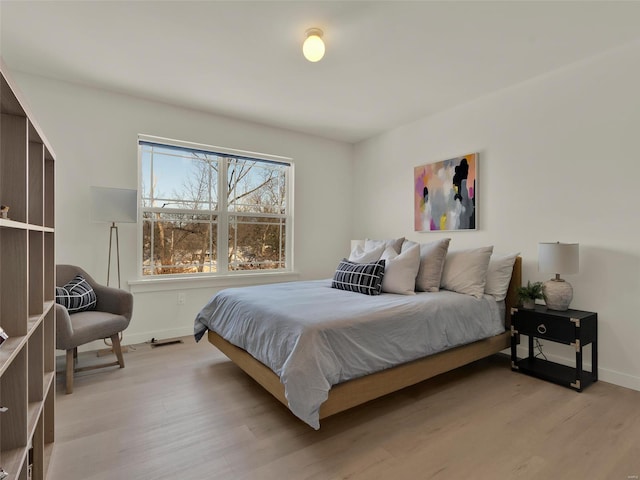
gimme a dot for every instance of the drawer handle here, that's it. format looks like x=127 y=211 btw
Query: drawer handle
x=542 y=329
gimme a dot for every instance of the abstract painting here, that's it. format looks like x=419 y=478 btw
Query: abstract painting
x=445 y=194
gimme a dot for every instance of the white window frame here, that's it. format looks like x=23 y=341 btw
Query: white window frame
x=222 y=214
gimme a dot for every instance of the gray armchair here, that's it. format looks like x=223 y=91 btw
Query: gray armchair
x=110 y=317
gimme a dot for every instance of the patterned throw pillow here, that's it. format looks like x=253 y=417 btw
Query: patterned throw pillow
x=359 y=277
x=77 y=295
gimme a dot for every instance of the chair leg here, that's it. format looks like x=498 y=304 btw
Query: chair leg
x=69 y=375
x=115 y=340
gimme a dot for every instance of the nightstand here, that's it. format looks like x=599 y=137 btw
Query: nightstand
x=571 y=327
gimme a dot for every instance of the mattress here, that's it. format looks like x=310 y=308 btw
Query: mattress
x=314 y=336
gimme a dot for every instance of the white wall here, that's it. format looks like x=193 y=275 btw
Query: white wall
x=94 y=135
x=559 y=160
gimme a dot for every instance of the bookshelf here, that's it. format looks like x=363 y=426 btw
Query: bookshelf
x=27 y=279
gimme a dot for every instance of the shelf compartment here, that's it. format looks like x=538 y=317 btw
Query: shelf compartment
x=9 y=350
x=13 y=395
x=42 y=411
x=37 y=443
x=49 y=338
x=49 y=266
x=34 y=412
x=554 y=372
x=33 y=322
x=14 y=463
x=49 y=190
x=49 y=408
x=35 y=212
x=13 y=151
x=36 y=273
x=43 y=433
x=13 y=278
x=35 y=350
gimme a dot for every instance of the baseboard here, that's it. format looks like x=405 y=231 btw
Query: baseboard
x=158 y=335
x=136 y=338
x=618 y=378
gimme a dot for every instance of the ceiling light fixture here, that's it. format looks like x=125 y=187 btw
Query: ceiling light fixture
x=313 y=46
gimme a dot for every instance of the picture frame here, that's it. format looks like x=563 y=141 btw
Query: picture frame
x=445 y=195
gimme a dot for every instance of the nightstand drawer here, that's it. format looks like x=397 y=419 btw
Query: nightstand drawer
x=556 y=329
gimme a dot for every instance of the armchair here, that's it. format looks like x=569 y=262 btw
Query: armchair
x=110 y=317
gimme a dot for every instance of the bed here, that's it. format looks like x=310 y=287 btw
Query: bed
x=285 y=364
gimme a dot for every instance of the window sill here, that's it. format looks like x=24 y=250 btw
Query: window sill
x=147 y=285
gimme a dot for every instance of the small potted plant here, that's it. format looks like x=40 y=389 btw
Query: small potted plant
x=529 y=294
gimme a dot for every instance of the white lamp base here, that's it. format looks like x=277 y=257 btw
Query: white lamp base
x=557 y=294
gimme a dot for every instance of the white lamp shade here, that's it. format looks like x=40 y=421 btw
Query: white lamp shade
x=118 y=205
x=558 y=257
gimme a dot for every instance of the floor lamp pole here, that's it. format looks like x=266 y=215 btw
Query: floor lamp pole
x=113 y=228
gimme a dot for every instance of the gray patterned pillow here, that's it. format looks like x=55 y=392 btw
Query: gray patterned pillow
x=359 y=277
x=77 y=295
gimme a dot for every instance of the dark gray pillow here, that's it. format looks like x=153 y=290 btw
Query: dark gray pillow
x=77 y=295
x=363 y=278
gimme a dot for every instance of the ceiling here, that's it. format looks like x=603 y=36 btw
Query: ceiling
x=387 y=63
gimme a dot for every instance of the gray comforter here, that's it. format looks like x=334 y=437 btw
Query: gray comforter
x=314 y=336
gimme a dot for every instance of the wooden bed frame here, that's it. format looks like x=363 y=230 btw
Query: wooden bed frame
x=360 y=390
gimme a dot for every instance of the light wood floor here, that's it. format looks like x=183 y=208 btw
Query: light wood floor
x=185 y=412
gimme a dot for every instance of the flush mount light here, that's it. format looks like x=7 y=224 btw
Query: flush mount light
x=313 y=46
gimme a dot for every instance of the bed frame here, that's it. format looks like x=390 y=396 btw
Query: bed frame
x=360 y=390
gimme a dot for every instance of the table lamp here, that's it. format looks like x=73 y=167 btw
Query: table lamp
x=558 y=258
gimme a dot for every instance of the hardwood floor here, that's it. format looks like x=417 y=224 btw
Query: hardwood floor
x=185 y=412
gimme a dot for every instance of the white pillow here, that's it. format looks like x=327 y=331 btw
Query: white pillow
x=362 y=255
x=432 y=258
x=400 y=270
x=396 y=243
x=499 y=275
x=465 y=271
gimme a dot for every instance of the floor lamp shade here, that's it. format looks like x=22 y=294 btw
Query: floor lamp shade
x=114 y=205
x=119 y=205
x=558 y=258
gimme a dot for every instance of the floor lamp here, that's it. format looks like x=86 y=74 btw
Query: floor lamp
x=114 y=205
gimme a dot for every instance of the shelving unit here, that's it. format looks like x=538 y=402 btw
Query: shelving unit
x=27 y=279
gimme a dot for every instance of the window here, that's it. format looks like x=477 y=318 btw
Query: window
x=209 y=210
